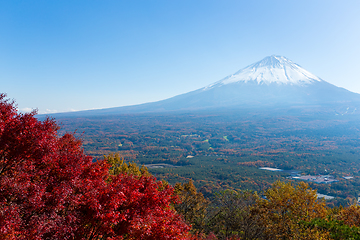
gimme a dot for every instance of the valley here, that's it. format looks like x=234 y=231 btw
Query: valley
x=179 y=120
x=315 y=143
x=272 y=113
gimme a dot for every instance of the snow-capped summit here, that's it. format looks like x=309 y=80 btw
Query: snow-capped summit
x=272 y=82
x=272 y=69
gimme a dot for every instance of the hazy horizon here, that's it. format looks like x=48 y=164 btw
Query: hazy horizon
x=64 y=56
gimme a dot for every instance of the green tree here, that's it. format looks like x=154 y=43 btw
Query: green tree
x=230 y=216
x=337 y=230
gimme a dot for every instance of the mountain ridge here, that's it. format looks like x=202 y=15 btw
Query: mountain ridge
x=271 y=82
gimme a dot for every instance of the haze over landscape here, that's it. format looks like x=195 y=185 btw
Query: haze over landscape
x=65 y=56
x=188 y=120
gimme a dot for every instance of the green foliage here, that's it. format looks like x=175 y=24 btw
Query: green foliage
x=337 y=229
x=308 y=142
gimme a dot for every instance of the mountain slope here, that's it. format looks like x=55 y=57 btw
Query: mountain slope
x=273 y=81
x=272 y=69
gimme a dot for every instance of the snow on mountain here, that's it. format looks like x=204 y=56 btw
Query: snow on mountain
x=272 y=82
x=272 y=69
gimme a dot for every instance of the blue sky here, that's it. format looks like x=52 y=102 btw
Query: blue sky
x=72 y=55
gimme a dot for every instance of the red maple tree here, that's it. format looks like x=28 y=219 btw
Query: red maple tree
x=50 y=189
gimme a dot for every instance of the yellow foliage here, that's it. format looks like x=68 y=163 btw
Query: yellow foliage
x=193 y=204
x=118 y=165
x=350 y=215
x=285 y=205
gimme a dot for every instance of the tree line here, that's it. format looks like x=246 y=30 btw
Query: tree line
x=50 y=189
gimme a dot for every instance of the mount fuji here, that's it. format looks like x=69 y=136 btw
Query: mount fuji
x=272 y=82
x=273 y=69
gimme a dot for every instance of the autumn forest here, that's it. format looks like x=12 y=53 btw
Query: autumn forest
x=178 y=176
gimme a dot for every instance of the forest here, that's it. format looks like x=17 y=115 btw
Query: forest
x=222 y=150
x=51 y=188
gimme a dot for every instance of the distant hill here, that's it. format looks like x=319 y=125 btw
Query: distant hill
x=275 y=81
